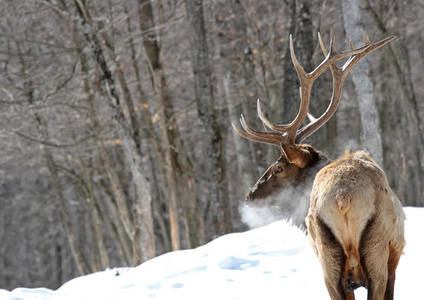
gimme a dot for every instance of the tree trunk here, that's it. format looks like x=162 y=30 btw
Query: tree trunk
x=179 y=170
x=153 y=55
x=403 y=138
x=213 y=147
x=370 y=121
x=244 y=53
x=301 y=27
x=230 y=58
x=95 y=220
x=153 y=149
x=245 y=164
x=141 y=231
x=124 y=215
x=80 y=260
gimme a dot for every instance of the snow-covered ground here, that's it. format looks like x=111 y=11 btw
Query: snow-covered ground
x=271 y=262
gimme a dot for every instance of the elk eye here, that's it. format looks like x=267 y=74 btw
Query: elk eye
x=278 y=169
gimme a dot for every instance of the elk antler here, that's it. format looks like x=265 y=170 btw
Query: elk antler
x=290 y=133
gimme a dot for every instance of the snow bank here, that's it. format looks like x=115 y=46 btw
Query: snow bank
x=272 y=262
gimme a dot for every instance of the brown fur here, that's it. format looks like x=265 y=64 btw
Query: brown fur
x=355 y=226
x=286 y=176
x=286 y=172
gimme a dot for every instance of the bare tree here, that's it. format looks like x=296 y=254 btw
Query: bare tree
x=231 y=26
x=401 y=123
x=370 y=121
x=141 y=230
x=214 y=164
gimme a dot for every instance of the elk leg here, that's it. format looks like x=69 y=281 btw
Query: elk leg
x=394 y=258
x=390 y=287
x=374 y=251
x=332 y=258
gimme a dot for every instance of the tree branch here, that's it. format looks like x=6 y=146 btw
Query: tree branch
x=48 y=143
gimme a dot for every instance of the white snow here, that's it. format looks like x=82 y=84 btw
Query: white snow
x=271 y=262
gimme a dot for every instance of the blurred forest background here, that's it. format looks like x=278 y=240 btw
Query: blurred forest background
x=115 y=120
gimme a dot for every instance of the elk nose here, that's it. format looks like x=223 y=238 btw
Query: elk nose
x=249 y=201
x=248 y=197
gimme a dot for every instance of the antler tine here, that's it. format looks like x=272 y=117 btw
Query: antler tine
x=276 y=128
x=316 y=123
x=311 y=117
x=258 y=136
x=351 y=44
x=339 y=75
x=323 y=49
x=367 y=49
x=305 y=88
x=292 y=128
x=367 y=39
x=332 y=41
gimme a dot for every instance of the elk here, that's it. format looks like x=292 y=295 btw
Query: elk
x=354 y=221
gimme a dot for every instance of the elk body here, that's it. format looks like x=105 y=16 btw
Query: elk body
x=353 y=219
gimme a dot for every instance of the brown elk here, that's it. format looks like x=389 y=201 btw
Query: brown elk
x=354 y=220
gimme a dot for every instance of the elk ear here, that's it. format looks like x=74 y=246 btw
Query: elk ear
x=296 y=155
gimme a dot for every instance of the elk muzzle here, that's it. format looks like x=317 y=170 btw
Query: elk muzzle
x=268 y=188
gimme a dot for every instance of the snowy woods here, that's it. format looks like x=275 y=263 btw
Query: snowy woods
x=116 y=139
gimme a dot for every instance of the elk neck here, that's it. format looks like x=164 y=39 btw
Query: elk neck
x=287 y=186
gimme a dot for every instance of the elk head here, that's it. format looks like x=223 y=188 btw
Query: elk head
x=298 y=163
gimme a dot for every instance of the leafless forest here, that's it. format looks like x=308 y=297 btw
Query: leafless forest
x=116 y=139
